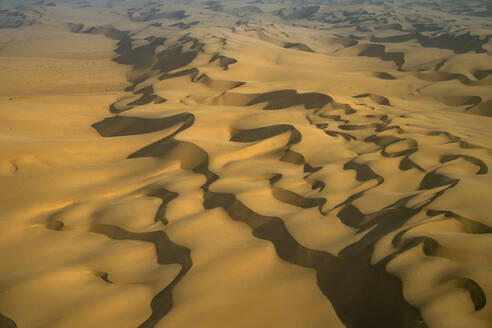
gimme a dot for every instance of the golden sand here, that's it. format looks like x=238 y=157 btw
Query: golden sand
x=238 y=164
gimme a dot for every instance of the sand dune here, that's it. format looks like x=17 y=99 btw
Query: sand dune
x=245 y=164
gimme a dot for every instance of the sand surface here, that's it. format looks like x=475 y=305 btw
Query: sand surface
x=245 y=164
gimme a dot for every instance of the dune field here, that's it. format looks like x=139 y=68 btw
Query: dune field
x=237 y=163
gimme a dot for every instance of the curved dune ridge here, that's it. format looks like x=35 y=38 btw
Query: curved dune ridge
x=240 y=164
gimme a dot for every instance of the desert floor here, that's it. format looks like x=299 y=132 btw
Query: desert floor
x=245 y=164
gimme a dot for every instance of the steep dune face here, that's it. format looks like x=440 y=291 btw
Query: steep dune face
x=223 y=164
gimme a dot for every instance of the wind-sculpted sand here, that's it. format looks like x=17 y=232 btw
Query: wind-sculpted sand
x=239 y=164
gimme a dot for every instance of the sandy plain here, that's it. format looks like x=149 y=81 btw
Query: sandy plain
x=245 y=164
